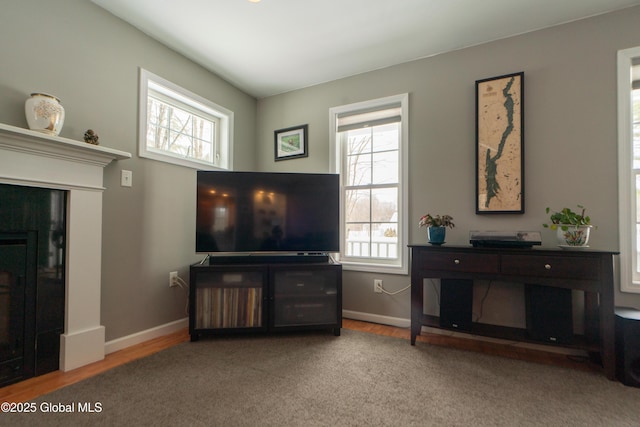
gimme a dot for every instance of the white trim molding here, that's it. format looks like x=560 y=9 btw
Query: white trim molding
x=626 y=187
x=377 y=318
x=142 y=336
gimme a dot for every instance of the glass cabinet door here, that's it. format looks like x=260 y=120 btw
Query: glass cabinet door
x=304 y=297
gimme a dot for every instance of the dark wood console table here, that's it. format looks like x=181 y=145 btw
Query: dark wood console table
x=590 y=271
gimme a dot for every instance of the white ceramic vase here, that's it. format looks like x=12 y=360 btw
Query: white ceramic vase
x=44 y=113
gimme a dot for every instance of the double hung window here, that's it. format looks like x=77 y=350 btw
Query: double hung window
x=629 y=167
x=370 y=154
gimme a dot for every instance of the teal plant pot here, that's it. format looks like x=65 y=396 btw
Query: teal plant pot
x=436 y=235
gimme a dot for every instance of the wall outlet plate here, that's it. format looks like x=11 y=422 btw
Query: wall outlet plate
x=126 y=178
x=173 y=276
x=377 y=286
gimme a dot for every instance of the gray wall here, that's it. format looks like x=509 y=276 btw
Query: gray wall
x=570 y=140
x=90 y=59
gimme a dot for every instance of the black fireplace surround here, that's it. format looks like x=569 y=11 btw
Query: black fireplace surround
x=32 y=280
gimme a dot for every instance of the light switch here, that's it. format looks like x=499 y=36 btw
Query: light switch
x=126 y=178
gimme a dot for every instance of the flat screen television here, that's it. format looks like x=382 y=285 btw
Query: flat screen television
x=260 y=212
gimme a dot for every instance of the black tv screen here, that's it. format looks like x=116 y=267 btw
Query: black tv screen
x=249 y=212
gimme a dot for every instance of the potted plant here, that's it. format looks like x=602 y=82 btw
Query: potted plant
x=436 y=227
x=573 y=228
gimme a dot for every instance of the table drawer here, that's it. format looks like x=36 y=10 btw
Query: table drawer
x=460 y=262
x=549 y=266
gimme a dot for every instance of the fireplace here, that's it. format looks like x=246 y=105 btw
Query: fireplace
x=32 y=247
x=17 y=302
x=67 y=249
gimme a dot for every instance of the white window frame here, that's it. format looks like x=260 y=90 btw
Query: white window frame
x=337 y=154
x=193 y=103
x=629 y=280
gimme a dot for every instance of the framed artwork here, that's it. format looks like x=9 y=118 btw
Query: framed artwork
x=500 y=144
x=291 y=143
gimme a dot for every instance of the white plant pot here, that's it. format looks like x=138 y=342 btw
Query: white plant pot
x=573 y=236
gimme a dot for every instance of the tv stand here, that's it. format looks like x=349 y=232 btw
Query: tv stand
x=239 y=294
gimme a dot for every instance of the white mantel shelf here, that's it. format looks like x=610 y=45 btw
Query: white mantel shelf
x=29 y=158
x=28 y=141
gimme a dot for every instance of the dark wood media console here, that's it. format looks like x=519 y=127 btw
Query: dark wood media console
x=232 y=297
x=589 y=271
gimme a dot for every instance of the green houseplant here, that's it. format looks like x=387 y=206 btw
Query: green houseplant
x=573 y=228
x=436 y=227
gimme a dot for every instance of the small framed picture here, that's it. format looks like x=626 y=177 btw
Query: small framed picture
x=291 y=143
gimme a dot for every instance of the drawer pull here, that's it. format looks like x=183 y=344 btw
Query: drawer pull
x=456 y=261
x=547 y=266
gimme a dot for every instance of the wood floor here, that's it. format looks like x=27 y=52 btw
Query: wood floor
x=34 y=387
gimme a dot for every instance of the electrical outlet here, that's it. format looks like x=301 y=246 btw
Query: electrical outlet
x=173 y=277
x=377 y=286
x=126 y=178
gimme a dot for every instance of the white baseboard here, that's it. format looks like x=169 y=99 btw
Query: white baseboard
x=81 y=348
x=158 y=331
x=142 y=336
x=377 y=318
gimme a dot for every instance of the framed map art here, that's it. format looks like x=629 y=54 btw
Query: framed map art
x=500 y=144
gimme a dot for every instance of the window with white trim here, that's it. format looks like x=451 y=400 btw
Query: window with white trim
x=369 y=151
x=180 y=127
x=629 y=167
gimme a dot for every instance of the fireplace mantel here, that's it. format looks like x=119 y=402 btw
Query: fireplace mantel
x=33 y=145
x=35 y=159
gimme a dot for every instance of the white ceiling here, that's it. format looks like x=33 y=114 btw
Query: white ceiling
x=276 y=46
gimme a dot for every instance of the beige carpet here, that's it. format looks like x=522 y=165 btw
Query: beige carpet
x=316 y=379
